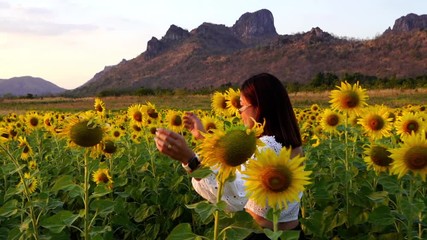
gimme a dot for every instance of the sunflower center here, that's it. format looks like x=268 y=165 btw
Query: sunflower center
x=103 y=178
x=210 y=126
x=26 y=149
x=392 y=116
x=177 y=121
x=152 y=113
x=236 y=102
x=411 y=126
x=224 y=103
x=109 y=147
x=47 y=122
x=99 y=108
x=380 y=156
x=137 y=116
x=116 y=134
x=236 y=147
x=350 y=100
x=376 y=123
x=13 y=133
x=416 y=157
x=332 y=120
x=276 y=180
x=84 y=135
x=34 y=122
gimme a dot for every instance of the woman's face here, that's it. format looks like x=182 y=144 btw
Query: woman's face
x=247 y=111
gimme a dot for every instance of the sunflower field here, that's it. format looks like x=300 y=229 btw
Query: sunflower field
x=98 y=174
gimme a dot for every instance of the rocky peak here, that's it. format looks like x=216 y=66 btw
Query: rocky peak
x=154 y=47
x=317 y=35
x=410 y=22
x=175 y=33
x=255 y=25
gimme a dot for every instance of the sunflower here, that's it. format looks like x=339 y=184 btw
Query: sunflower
x=377 y=157
x=227 y=150
x=348 y=99
x=99 y=106
x=83 y=130
x=27 y=151
x=4 y=135
x=233 y=101
x=32 y=164
x=136 y=114
x=275 y=179
x=409 y=123
x=152 y=112
x=116 y=132
x=314 y=108
x=30 y=182
x=102 y=176
x=174 y=120
x=219 y=104
x=331 y=120
x=50 y=122
x=109 y=147
x=375 y=122
x=33 y=121
x=411 y=156
x=211 y=123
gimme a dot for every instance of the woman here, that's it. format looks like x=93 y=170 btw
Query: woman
x=262 y=98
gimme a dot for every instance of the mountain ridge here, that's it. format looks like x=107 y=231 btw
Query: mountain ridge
x=28 y=85
x=212 y=55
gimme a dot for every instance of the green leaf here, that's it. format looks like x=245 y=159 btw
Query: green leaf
x=59 y=221
x=8 y=169
x=390 y=183
x=100 y=190
x=182 y=232
x=233 y=232
x=290 y=235
x=201 y=172
x=103 y=206
x=271 y=234
x=11 y=191
x=63 y=183
x=379 y=197
x=144 y=211
x=381 y=216
x=204 y=209
x=9 y=208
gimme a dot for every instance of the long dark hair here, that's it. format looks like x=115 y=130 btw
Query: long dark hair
x=269 y=95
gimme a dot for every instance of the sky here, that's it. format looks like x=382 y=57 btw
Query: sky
x=67 y=42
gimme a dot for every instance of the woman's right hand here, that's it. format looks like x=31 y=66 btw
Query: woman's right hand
x=173 y=145
x=194 y=125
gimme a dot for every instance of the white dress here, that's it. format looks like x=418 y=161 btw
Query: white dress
x=234 y=192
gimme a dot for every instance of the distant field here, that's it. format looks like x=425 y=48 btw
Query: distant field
x=389 y=97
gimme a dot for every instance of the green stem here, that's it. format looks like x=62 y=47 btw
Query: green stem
x=347 y=167
x=86 y=197
x=276 y=214
x=216 y=214
x=27 y=194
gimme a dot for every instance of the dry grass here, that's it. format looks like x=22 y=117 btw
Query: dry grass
x=389 y=97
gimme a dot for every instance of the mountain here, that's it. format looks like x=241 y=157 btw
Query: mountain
x=213 y=55
x=21 y=86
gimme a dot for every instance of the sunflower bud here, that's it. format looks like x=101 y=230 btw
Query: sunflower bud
x=235 y=147
x=85 y=135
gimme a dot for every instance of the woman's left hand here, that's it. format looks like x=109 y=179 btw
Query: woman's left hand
x=173 y=145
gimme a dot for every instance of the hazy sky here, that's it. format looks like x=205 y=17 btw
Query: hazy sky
x=68 y=41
